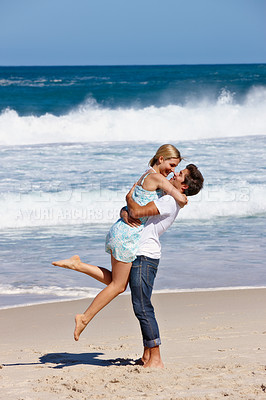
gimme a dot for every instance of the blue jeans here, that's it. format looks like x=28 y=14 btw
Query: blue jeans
x=142 y=275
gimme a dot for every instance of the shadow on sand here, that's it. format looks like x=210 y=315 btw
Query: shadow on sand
x=62 y=360
x=67 y=359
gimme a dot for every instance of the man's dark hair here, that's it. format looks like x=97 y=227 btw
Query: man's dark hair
x=194 y=180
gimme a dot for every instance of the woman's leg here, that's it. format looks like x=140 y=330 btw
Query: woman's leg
x=99 y=273
x=120 y=277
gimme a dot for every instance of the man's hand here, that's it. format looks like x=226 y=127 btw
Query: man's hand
x=133 y=222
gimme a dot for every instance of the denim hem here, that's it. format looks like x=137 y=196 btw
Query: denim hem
x=152 y=343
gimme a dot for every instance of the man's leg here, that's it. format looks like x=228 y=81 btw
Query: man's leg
x=142 y=277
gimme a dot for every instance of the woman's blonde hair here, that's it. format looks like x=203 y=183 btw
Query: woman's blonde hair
x=167 y=151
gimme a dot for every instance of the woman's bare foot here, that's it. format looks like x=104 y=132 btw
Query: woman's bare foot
x=70 y=263
x=80 y=326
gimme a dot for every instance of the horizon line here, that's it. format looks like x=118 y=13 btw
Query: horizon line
x=129 y=65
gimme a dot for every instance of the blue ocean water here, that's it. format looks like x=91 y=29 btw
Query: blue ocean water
x=58 y=90
x=74 y=139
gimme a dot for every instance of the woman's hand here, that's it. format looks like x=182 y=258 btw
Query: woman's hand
x=185 y=200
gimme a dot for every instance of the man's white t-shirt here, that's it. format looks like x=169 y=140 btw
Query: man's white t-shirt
x=149 y=244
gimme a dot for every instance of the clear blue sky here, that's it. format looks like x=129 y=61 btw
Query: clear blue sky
x=122 y=32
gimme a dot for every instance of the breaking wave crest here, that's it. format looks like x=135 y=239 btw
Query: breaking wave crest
x=90 y=122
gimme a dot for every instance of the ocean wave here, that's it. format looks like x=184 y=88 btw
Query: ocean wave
x=102 y=206
x=60 y=294
x=90 y=122
x=72 y=292
x=49 y=82
x=40 y=82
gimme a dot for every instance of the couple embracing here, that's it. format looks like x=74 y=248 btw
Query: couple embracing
x=133 y=242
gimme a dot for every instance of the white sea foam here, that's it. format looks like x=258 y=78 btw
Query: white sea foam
x=70 y=292
x=103 y=206
x=66 y=294
x=34 y=294
x=89 y=122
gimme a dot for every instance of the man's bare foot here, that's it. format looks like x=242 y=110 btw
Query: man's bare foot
x=139 y=361
x=154 y=364
x=146 y=355
x=70 y=263
x=80 y=326
x=154 y=360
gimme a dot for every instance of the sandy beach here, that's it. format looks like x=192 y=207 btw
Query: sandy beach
x=213 y=347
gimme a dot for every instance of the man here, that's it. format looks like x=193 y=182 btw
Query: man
x=162 y=214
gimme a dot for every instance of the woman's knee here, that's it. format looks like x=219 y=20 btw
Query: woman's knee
x=122 y=289
x=119 y=287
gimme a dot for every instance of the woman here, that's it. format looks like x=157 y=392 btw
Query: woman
x=122 y=240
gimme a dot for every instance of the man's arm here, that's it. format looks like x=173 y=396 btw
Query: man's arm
x=137 y=211
x=133 y=222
